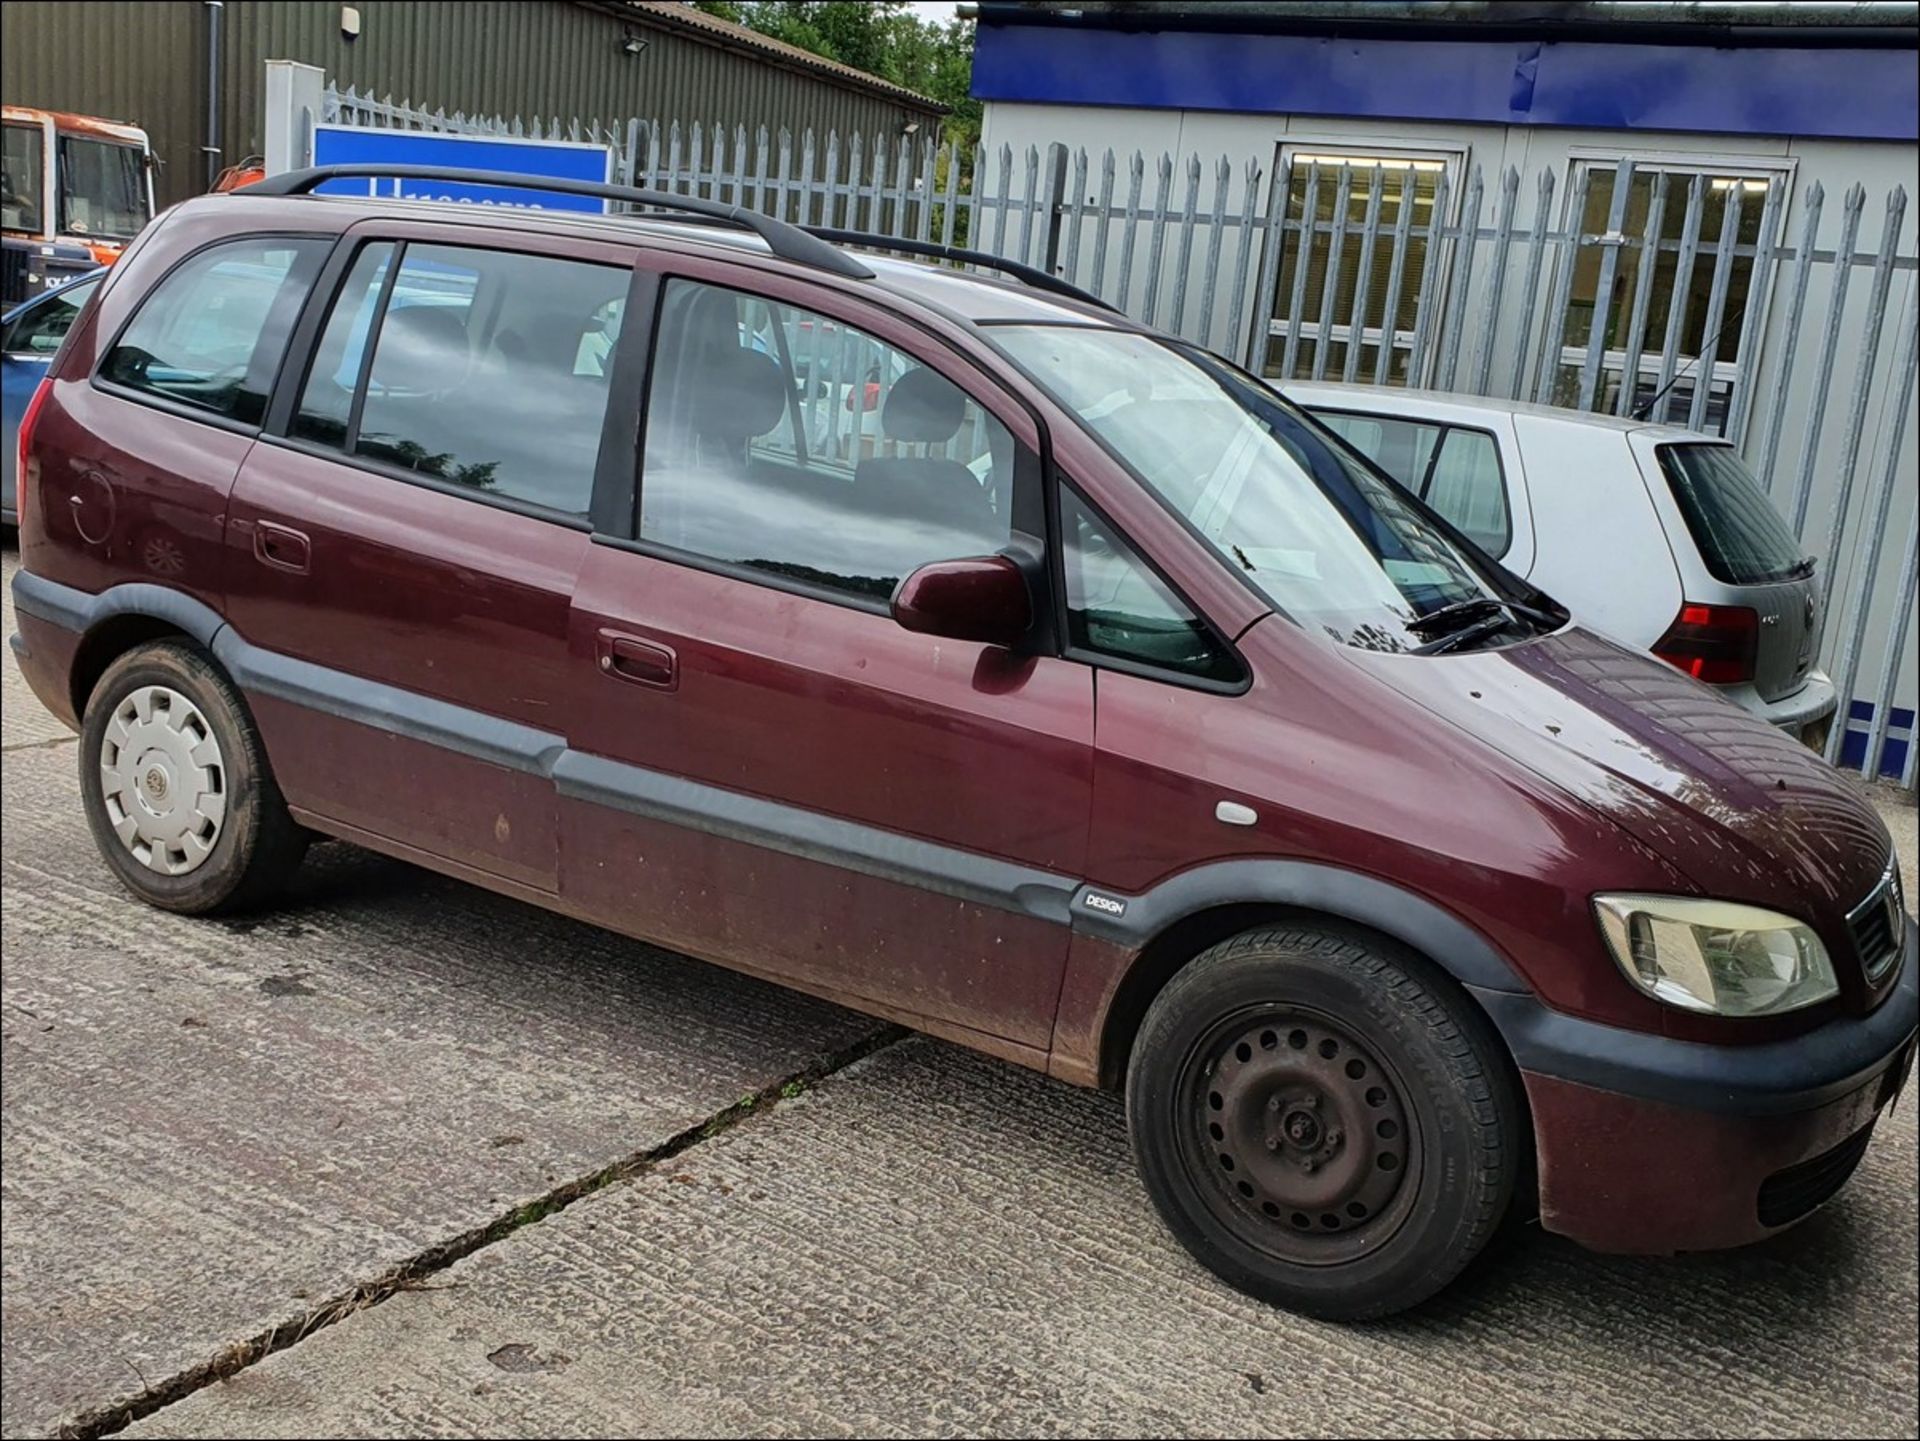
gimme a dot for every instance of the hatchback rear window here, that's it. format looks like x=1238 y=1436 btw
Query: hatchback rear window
x=1741 y=537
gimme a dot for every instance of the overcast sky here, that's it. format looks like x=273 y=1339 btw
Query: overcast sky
x=938 y=11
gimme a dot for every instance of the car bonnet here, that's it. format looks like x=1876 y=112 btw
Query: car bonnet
x=1744 y=810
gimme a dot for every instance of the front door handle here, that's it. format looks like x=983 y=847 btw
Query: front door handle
x=281 y=547
x=643 y=662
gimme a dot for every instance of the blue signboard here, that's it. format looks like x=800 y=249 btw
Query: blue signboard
x=554 y=159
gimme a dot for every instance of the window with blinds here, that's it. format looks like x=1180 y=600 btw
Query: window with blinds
x=1349 y=287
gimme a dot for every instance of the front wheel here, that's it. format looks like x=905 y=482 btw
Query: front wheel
x=178 y=793
x=1323 y=1121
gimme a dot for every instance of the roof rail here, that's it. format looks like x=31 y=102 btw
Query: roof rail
x=789 y=242
x=1038 y=279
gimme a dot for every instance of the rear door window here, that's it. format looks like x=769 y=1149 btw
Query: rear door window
x=1402 y=448
x=487 y=370
x=211 y=335
x=1453 y=468
x=1740 y=536
x=1465 y=485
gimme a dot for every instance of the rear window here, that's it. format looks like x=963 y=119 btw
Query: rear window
x=1740 y=536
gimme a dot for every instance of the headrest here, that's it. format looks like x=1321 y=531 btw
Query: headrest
x=550 y=340
x=738 y=394
x=923 y=406
x=422 y=348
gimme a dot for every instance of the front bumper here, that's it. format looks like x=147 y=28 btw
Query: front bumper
x=1650 y=1145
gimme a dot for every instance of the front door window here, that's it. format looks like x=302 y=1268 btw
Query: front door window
x=810 y=452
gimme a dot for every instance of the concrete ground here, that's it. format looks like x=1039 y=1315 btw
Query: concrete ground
x=405 y=1158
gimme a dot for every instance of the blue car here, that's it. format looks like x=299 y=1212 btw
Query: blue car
x=30 y=333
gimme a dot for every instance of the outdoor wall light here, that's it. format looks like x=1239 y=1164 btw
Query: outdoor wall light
x=632 y=44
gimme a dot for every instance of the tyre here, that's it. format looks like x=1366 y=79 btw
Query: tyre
x=176 y=785
x=1324 y=1121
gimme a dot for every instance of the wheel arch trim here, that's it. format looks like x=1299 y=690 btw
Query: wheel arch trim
x=1327 y=890
x=83 y=612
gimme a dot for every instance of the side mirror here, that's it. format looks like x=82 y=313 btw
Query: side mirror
x=982 y=598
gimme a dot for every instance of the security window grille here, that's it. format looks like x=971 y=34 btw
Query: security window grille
x=1667 y=331
x=1353 y=282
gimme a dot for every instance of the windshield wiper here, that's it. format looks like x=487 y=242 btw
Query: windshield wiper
x=1446 y=615
x=1479 y=605
x=1466 y=635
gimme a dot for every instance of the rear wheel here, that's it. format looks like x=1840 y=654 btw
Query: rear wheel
x=178 y=793
x=1322 y=1121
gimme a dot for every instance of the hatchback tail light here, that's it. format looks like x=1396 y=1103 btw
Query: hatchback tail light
x=1714 y=643
x=23 y=474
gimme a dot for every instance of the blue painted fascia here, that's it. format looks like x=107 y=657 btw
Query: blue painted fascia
x=1860 y=94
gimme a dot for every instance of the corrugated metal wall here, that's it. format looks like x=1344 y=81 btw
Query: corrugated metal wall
x=146 y=62
x=121 y=60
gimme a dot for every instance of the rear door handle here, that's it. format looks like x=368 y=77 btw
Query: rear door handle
x=642 y=662
x=281 y=547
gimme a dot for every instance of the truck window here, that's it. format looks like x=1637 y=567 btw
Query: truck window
x=101 y=189
x=21 y=206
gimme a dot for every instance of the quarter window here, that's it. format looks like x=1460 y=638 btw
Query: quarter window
x=1117 y=606
x=487 y=371
x=211 y=335
x=804 y=448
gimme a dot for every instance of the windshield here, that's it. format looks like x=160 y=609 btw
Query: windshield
x=1741 y=536
x=100 y=189
x=1330 y=541
x=21 y=207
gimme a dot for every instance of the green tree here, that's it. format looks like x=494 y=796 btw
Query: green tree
x=883 y=39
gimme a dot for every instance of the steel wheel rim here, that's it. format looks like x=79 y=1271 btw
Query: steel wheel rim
x=1297 y=1136
x=163 y=780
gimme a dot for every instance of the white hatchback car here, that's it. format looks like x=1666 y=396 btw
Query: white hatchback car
x=1657 y=536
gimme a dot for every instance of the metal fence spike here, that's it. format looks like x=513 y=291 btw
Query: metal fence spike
x=1811 y=455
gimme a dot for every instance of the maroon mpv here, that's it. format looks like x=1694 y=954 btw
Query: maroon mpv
x=959 y=650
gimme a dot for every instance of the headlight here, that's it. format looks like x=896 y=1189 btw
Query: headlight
x=1715 y=956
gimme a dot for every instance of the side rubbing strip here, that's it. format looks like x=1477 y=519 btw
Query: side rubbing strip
x=1130 y=921
x=389 y=708
x=963 y=874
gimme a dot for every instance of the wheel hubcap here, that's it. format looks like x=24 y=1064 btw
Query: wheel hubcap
x=1301 y=1133
x=162 y=780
